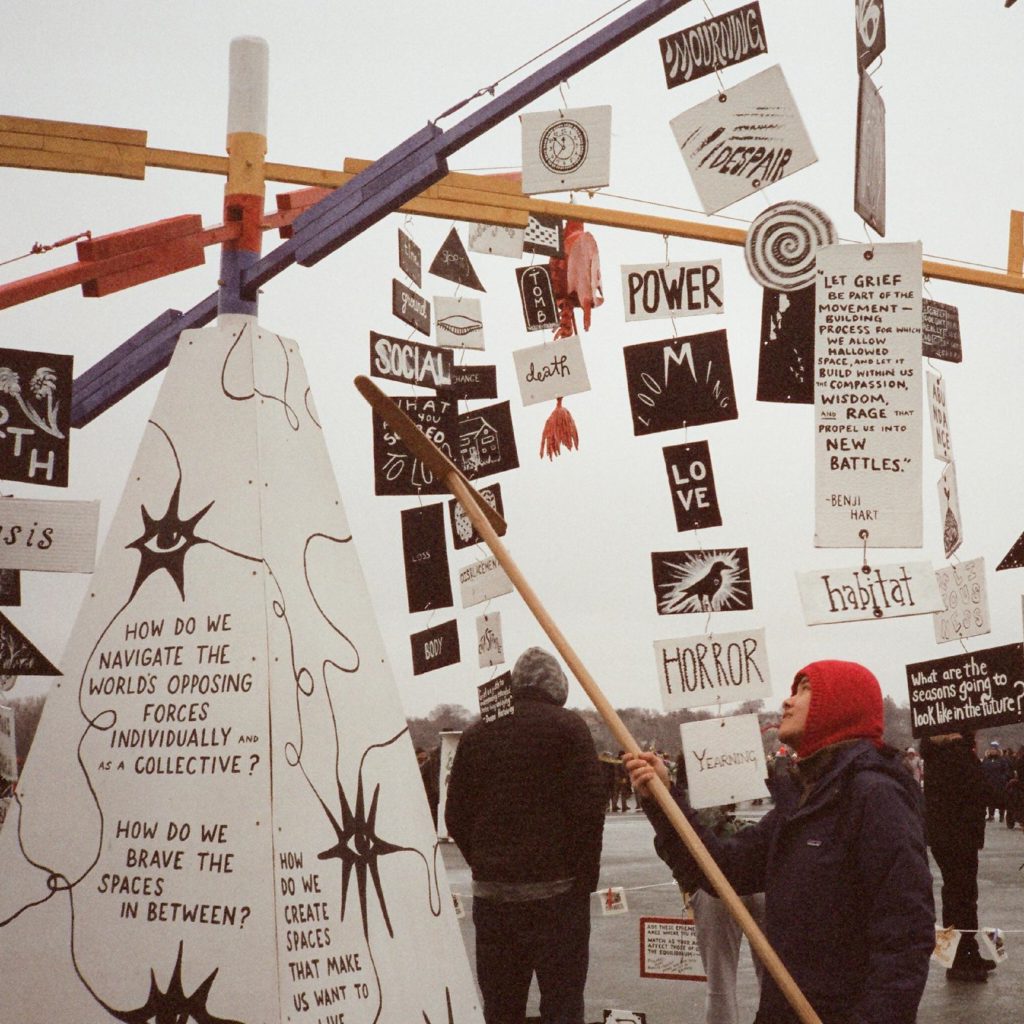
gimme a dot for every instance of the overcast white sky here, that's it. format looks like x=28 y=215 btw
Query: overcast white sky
x=353 y=80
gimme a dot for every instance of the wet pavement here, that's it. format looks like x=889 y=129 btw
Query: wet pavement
x=629 y=861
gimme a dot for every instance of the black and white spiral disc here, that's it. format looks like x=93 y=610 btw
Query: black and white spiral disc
x=782 y=242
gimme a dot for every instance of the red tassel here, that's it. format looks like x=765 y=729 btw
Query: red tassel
x=559 y=430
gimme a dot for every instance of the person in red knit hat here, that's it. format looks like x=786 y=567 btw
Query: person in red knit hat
x=841 y=857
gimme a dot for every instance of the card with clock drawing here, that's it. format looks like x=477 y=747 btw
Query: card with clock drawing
x=566 y=149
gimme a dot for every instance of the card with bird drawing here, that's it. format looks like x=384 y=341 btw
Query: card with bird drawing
x=713 y=580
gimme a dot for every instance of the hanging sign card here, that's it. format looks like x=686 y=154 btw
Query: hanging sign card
x=867 y=396
x=452 y=263
x=975 y=690
x=8 y=751
x=651 y=291
x=410 y=258
x=870 y=32
x=410 y=362
x=669 y=950
x=566 y=149
x=965 y=602
x=537 y=296
x=482 y=580
x=679 y=382
x=753 y=139
x=695 y=671
x=35 y=416
x=949 y=511
x=869 y=178
x=552 y=370
x=459 y=322
x=543 y=235
x=1014 y=558
x=718 y=43
x=471 y=382
x=10 y=588
x=435 y=647
x=19 y=656
x=942 y=443
x=495 y=697
x=395 y=469
x=463 y=532
x=427 y=581
x=409 y=307
x=691 y=482
x=785 y=367
x=489 y=643
x=724 y=760
x=717 y=580
x=52 y=536
x=883 y=592
x=940 y=325
x=487 y=442
x=496 y=239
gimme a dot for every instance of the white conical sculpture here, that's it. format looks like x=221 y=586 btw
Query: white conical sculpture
x=221 y=818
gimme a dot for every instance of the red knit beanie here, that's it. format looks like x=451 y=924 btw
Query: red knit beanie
x=846 y=704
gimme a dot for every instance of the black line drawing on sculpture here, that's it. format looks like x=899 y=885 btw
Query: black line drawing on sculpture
x=718 y=43
x=172 y=1005
x=869 y=179
x=870 y=32
x=786 y=356
x=35 y=406
x=679 y=382
x=702 y=581
x=453 y=264
x=781 y=244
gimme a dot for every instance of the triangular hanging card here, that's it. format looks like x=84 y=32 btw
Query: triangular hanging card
x=712 y=45
x=566 y=149
x=19 y=656
x=715 y=140
x=221 y=817
x=452 y=263
x=1014 y=558
x=35 y=405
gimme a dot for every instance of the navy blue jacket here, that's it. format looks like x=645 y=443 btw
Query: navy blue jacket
x=848 y=889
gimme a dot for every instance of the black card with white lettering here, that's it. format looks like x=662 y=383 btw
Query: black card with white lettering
x=395 y=469
x=470 y=382
x=435 y=647
x=680 y=382
x=691 y=481
x=538 y=297
x=409 y=307
x=427 y=580
x=410 y=362
x=35 y=416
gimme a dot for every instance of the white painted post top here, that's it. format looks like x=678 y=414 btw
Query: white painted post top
x=249 y=65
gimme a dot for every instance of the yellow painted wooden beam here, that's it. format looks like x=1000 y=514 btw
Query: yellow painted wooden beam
x=482 y=198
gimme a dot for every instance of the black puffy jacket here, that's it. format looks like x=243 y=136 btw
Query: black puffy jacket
x=848 y=890
x=526 y=796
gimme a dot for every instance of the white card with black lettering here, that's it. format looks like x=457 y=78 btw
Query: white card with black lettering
x=724 y=760
x=552 y=370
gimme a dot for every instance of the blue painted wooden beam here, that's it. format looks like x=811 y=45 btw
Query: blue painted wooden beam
x=380 y=189
x=134 y=361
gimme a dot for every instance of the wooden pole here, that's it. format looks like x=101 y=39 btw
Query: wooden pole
x=474 y=506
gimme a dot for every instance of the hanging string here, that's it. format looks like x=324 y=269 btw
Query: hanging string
x=489 y=90
x=39 y=247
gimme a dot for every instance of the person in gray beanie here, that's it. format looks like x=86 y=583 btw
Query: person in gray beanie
x=525 y=805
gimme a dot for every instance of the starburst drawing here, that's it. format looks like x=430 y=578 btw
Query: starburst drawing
x=173 y=1006
x=710 y=581
x=359 y=847
x=165 y=542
